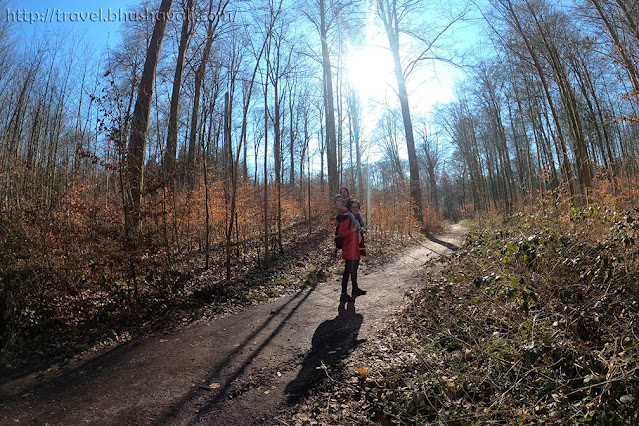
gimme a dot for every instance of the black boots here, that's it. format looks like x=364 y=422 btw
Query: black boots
x=358 y=292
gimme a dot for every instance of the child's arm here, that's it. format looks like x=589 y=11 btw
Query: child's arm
x=361 y=221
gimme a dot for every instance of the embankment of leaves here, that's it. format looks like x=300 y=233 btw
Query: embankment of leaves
x=49 y=319
x=534 y=321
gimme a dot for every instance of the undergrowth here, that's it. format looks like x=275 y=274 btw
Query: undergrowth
x=71 y=280
x=534 y=321
x=55 y=321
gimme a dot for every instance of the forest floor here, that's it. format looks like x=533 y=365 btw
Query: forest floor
x=250 y=367
x=534 y=320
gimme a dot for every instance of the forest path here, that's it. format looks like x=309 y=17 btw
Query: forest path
x=236 y=370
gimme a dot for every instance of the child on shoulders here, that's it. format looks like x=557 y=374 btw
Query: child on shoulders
x=341 y=203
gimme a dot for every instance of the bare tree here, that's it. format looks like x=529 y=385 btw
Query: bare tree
x=234 y=163
x=323 y=24
x=171 y=140
x=512 y=16
x=355 y=112
x=140 y=119
x=628 y=63
x=390 y=133
x=200 y=74
x=392 y=12
x=430 y=148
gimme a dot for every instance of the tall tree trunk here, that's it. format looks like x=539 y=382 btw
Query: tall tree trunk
x=322 y=148
x=304 y=144
x=431 y=163
x=171 y=139
x=140 y=119
x=389 y=17
x=338 y=102
x=329 y=109
x=356 y=111
x=522 y=123
x=199 y=79
x=277 y=141
x=568 y=96
x=607 y=139
x=235 y=162
x=230 y=174
x=266 y=227
x=292 y=135
x=542 y=77
x=626 y=61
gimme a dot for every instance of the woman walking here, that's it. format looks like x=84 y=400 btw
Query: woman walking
x=353 y=248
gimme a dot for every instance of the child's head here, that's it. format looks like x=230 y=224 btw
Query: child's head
x=344 y=192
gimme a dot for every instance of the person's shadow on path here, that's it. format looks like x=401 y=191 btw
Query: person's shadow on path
x=332 y=341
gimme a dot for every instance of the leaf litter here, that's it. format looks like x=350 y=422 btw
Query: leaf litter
x=536 y=323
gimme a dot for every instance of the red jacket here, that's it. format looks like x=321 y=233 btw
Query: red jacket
x=352 y=242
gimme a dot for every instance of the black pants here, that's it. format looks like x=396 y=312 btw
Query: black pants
x=350 y=269
x=339 y=218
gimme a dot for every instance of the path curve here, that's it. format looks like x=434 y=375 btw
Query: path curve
x=236 y=370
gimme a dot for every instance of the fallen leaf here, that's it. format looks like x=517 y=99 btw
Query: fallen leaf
x=214 y=386
x=626 y=399
x=363 y=372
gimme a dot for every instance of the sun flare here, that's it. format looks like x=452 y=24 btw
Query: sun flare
x=370 y=71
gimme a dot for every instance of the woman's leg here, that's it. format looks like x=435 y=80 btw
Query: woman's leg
x=356 y=290
x=347 y=272
x=354 y=267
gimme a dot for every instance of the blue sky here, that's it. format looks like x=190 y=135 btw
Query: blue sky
x=95 y=22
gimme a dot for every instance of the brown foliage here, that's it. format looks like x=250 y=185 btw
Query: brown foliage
x=68 y=275
x=535 y=320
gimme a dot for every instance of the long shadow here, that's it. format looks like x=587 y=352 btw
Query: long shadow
x=332 y=341
x=449 y=246
x=66 y=378
x=292 y=253
x=254 y=276
x=222 y=393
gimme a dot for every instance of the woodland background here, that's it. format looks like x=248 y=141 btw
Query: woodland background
x=215 y=144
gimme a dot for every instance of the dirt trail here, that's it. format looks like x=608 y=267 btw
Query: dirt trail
x=236 y=370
